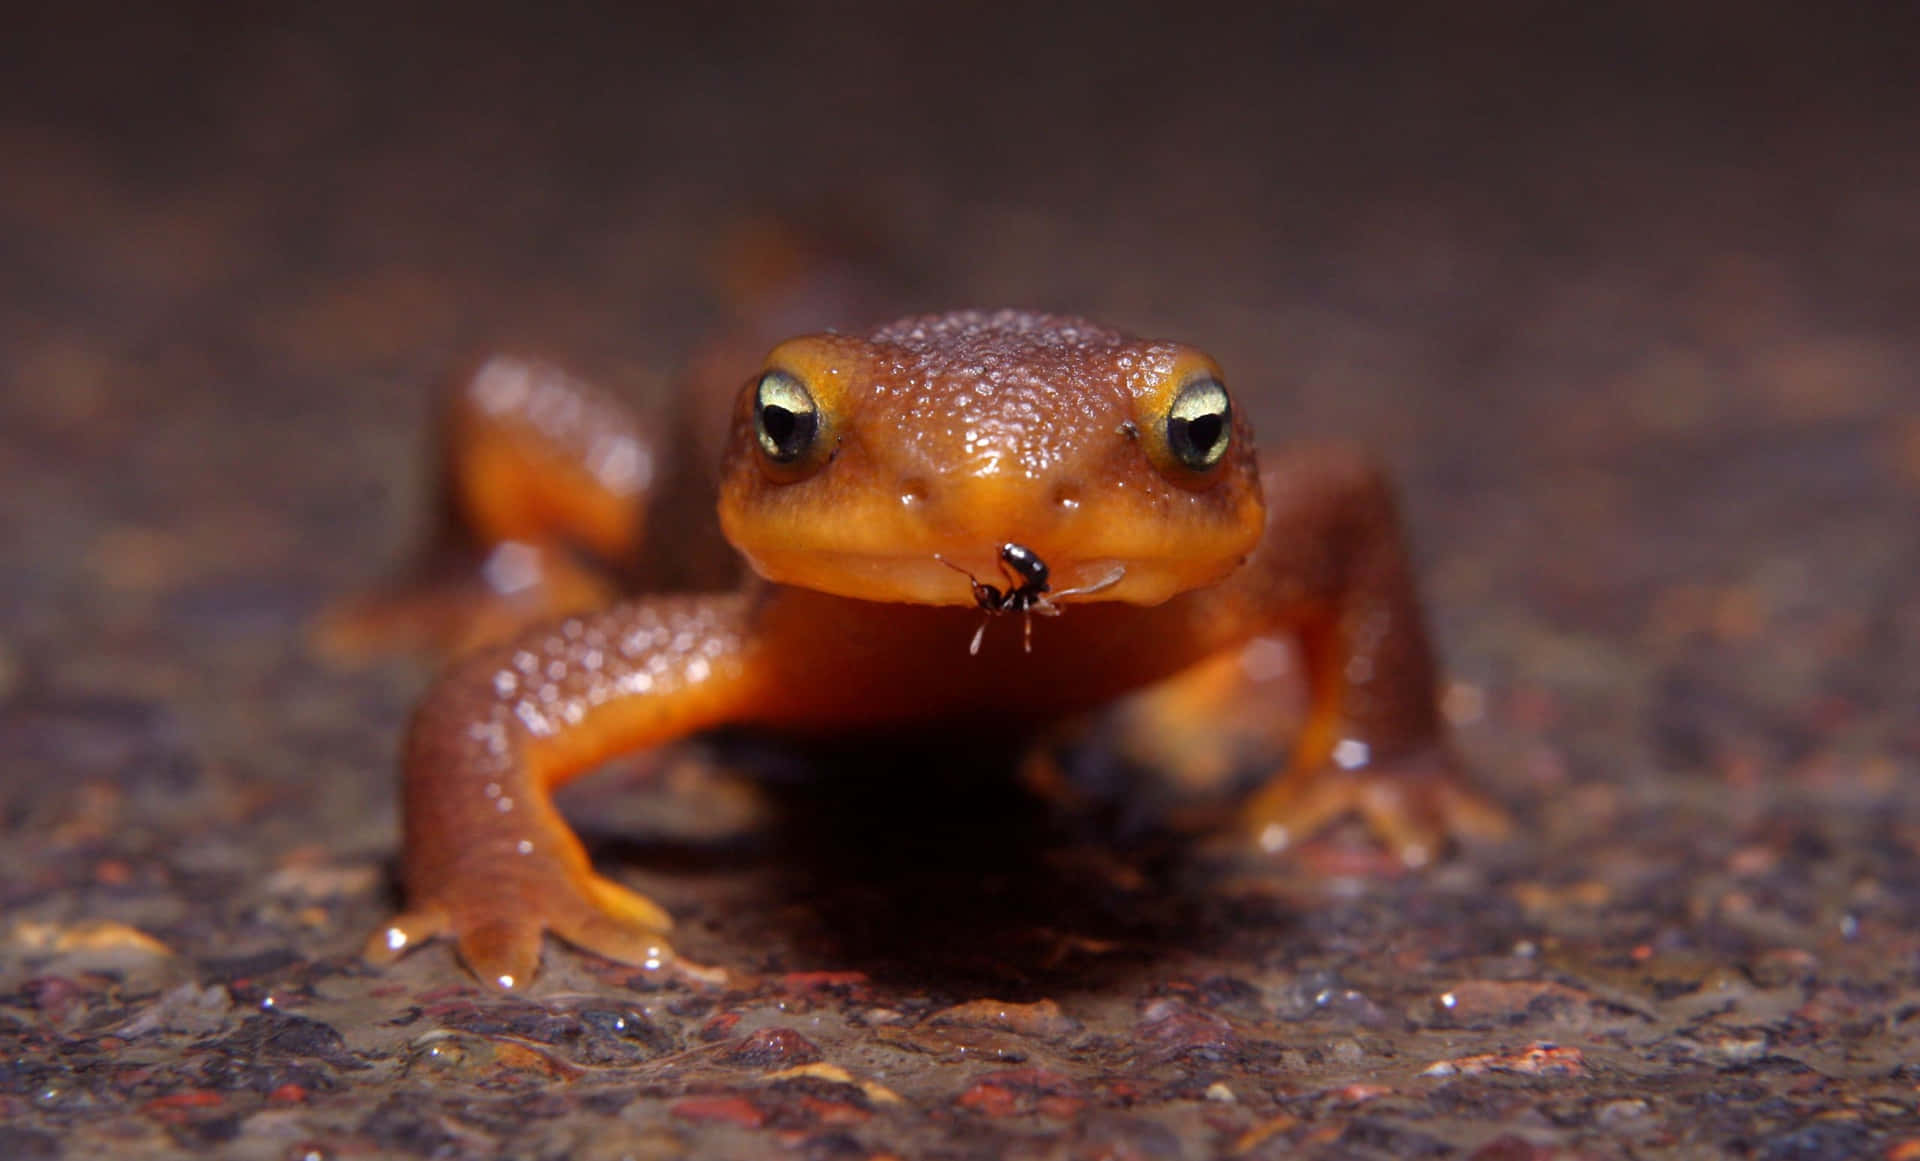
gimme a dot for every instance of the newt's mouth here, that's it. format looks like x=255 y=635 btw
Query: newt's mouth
x=935 y=577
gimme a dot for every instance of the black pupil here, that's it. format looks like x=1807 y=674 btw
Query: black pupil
x=1204 y=432
x=1196 y=440
x=780 y=424
x=787 y=432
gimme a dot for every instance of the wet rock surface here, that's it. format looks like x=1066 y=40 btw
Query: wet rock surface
x=1635 y=331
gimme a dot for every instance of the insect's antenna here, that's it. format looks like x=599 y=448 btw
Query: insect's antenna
x=982 y=593
x=973 y=647
x=963 y=572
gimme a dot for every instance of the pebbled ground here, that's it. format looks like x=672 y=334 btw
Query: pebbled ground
x=1627 y=300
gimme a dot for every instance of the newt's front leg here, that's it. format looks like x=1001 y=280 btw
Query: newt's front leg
x=1335 y=559
x=489 y=861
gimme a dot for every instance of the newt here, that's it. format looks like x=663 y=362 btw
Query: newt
x=899 y=497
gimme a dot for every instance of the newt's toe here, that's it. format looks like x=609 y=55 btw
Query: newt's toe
x=403 y=933
x=624 y=927
x=628 y=908
x=503 y=953
x=1414 y=806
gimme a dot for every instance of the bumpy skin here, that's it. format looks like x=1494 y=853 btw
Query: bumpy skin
x=939 y=439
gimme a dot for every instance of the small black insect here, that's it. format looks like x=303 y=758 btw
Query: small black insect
x=1028 y=594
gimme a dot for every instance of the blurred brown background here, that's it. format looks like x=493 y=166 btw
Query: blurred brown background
x=1626 y=295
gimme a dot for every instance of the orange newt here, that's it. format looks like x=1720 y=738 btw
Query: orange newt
x=892 y=493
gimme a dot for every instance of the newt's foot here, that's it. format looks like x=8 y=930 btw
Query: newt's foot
x=499 y=938
x=452 y=606
x=1414 y=805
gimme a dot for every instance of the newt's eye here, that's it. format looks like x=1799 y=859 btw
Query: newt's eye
x=1199 y=424
x=785 y=417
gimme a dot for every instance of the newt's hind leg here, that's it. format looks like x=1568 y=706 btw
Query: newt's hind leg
x=543 y=497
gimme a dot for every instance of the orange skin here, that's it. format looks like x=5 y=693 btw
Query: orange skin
x=935 y=441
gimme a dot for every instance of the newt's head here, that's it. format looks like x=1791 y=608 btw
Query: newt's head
x=874 y=467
